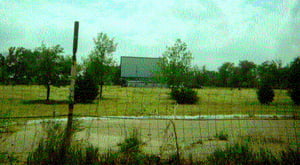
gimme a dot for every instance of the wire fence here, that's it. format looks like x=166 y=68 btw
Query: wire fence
x=223 y=116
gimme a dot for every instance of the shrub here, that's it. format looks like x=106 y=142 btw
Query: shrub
x=234 y=154
x=49 y=150
x=184 y=95
x=290 y=156
x=242 y=154
x=222 y=135
x=8 y=158
x=265 y=94
x=294 y=81
x=295 y=95
x=86 y=89
x=5 y=122
x=130 y=152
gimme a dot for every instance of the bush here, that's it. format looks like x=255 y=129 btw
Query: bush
x=86 y=90
x=243 y=154
x=222 y=135
x=232 y=154
x=265 y=94
x=49 y=150
x=295 y=95
x=184 y=95
x=294 y=81
x=5 y=122
x=8 y=158
x=130 y=152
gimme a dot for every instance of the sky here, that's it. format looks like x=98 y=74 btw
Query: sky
x=216 y=31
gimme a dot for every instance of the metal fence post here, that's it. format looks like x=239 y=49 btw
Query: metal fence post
x=68 y=131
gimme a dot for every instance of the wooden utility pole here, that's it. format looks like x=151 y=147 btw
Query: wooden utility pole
x=68 y=131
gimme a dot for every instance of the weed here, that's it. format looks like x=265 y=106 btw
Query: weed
x=242 y=154
x=291 y=156
x=49 y=150
x=6 y=158
x=262 y=139
x=130 y=152
x=222 y=135
x=5 y=122
x=235 y=154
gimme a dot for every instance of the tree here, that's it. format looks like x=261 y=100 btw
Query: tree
x=3 y=70
x=175 y=64
x=272 y=73
x=100 y=60
x=86 y=90
x=265 y=94
x=267 y=73
x=49 y=68
x=20 y=63
x=247 y=74
x=226 y=72
x=294 y=81
x=196 y=77
x=116 y=76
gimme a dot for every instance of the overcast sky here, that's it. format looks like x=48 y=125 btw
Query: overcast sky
x=216 y=31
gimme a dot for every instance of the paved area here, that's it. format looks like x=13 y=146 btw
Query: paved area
x=195 y=137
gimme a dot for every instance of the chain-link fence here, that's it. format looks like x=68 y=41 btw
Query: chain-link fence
x=222 y=117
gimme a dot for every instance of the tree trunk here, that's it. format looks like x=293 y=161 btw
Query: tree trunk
x=48 y=92
x=101 y=89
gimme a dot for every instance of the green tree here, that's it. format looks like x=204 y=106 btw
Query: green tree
x=49 y=67
x=175 y=64
x=100 y=60
x=116 y=76
x=247 y=74
x=294 y=81
x=226 y=72
x=196 y=77
x=267 y=73
x=3 y=70
x=20 y=63
x=265 y=94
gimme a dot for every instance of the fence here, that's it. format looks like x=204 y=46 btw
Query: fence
x=222 y=117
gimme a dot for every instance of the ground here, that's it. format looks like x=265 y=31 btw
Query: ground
x=196 y=137
x=28 y=101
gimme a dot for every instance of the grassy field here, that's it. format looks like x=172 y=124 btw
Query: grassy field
x=27 y=101
x=197 y=137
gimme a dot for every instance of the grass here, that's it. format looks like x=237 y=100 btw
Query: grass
x=49 y=151
x=131 y=152
x=243 y=154
x=222 y=135
x=24 y=101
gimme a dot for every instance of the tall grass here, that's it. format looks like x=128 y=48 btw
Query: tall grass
x=130 y=152
x=5 y=122
x=242 y=154
x=49 y=150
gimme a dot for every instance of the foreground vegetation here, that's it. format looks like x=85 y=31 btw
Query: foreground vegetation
x=131 y=152
x=28 y=101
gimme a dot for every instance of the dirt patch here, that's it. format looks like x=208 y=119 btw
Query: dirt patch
x=195 y=137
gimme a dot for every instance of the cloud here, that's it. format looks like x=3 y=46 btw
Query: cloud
x=216 y=31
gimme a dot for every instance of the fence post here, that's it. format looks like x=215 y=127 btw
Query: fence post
x=68 y=131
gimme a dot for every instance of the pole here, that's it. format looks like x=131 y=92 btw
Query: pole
x=68 y=131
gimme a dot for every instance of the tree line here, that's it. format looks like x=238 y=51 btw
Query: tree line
x=48 y=66
x=176 y=70
x=177 y=73
x=246 y=74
